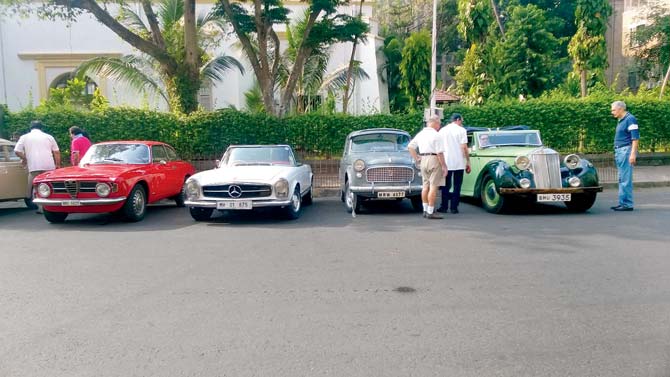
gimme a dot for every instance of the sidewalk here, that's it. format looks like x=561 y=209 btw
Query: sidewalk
x=646 y=176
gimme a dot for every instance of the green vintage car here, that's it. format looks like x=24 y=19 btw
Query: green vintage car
x=511 y=166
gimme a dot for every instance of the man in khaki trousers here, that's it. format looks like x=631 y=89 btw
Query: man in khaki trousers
x=433 y=168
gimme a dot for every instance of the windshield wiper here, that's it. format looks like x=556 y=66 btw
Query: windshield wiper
x=113 y=159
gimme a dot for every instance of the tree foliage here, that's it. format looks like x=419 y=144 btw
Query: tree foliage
x=415 y=68
x=651 y=44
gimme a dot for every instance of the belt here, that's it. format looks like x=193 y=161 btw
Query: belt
x=427 y=154
x=621 y=146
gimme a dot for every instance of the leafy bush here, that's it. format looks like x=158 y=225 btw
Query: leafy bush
x=568 y=125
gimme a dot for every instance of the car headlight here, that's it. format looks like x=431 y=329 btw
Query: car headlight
x=524 y=183
x=522 y=162
x=44 y=190
x=572 y=161
x=102 y=189
x=574 y=182
x=359 y=165
x=192 y=190
x=281 y=188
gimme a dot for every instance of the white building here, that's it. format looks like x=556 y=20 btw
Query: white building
x=37 y=54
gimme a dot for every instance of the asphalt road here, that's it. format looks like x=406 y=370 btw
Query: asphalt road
x=543 y=293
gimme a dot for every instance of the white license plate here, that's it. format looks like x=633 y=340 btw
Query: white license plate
x=391 y=194
x=70 y=203
x=554 y=197
x=236 y=204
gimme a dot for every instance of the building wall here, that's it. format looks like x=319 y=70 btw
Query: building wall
x=33 y=52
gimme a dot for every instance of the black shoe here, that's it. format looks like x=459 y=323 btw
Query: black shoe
x=442 y=210
x=425 y=213
x=434 y=216
x=622 y=209
x=454 y=211
x=616 y=207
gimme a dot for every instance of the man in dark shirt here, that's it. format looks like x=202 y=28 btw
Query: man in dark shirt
x=626 y=138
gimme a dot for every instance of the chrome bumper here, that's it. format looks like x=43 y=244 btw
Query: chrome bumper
x=211 y=203
x=373 y=189
x=82 y=202
x=563 y=190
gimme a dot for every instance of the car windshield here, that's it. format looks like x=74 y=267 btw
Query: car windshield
x=274 y=155
x=116 y=154
x=381 y=142
x=501 y=138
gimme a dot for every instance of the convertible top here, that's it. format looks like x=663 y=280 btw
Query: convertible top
x=506 y=128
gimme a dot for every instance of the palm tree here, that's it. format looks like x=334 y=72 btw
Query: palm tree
x=146 y=74
x=314 y=79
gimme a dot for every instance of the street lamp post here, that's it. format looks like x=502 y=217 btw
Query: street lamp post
x=433 y=61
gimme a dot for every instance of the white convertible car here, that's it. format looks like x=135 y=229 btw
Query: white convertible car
x=248 y=177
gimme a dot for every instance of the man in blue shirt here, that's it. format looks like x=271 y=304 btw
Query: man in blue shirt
x=626 y=139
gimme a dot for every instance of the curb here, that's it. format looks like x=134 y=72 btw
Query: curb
x=644 y=184
x=326 y=193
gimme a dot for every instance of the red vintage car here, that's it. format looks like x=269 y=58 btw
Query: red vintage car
x=114 y=176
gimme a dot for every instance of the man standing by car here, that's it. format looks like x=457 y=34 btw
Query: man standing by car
x=433 y=167
x=39 y=151
x=455 y=141
x=626 y=139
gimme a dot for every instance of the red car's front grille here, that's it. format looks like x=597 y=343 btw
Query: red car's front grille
x=73 y=188
x=390 y=174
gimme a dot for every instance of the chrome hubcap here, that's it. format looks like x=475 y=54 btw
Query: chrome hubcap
x=138 y=203
x=295 y=202
x=350 y=198
x=491 y=194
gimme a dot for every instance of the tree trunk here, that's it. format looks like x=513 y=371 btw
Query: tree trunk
x=300 y=59
x=189 y=83
x=345 y=96
x=444 y=76
x=665 y=82
x=497 y=16
x=582 y=82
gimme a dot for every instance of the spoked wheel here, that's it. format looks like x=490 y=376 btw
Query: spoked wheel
x=492 y=201
x=351 y=200
x=294 y=209
x=136 y=205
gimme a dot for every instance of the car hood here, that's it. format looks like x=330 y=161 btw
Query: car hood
x=91 y=172
x=383 y=158
x=511 y=151
x=252 y=174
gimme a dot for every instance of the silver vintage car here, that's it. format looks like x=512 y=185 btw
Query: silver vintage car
x=376 y=165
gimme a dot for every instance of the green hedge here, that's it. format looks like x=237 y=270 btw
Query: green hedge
x=562 y=123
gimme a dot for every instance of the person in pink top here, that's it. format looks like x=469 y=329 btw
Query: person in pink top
x=79 y=145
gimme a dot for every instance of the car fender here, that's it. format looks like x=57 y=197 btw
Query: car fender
x=501 y=173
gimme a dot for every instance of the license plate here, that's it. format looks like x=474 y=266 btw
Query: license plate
x=237 y=204
x=391 y=194
x=70 y=203
x=554 y=197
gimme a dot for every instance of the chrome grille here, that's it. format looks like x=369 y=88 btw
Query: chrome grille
x=248 y=191
x=546 y=167
x=73 y=188
x=390 y=174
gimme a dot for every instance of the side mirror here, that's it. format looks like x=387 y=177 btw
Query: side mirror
x=162 y=162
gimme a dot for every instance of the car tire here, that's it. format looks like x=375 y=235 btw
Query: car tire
x=201 y=214
x=29 y=203
x=294 y=210
x=581 y=202
x=180 y=198
x=55 y=217
x=492 y=201
x=417 y=203
x=136 y=205
x=308 y=199
x=351 y=200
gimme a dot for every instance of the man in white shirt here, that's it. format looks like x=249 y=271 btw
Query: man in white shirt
x=455 y=141
x=39 y=151
x=433 y=168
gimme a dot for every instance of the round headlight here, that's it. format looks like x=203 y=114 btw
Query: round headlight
x=574 y=181
x=44 y=190
x=192 y=190
x=102 y=189
x=524 y=183
x=359 y=165
x=572 y=161
x=522 y=162
x=281 y=188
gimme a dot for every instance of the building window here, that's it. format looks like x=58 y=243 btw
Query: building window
x=60 y=82
x=205 y=96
